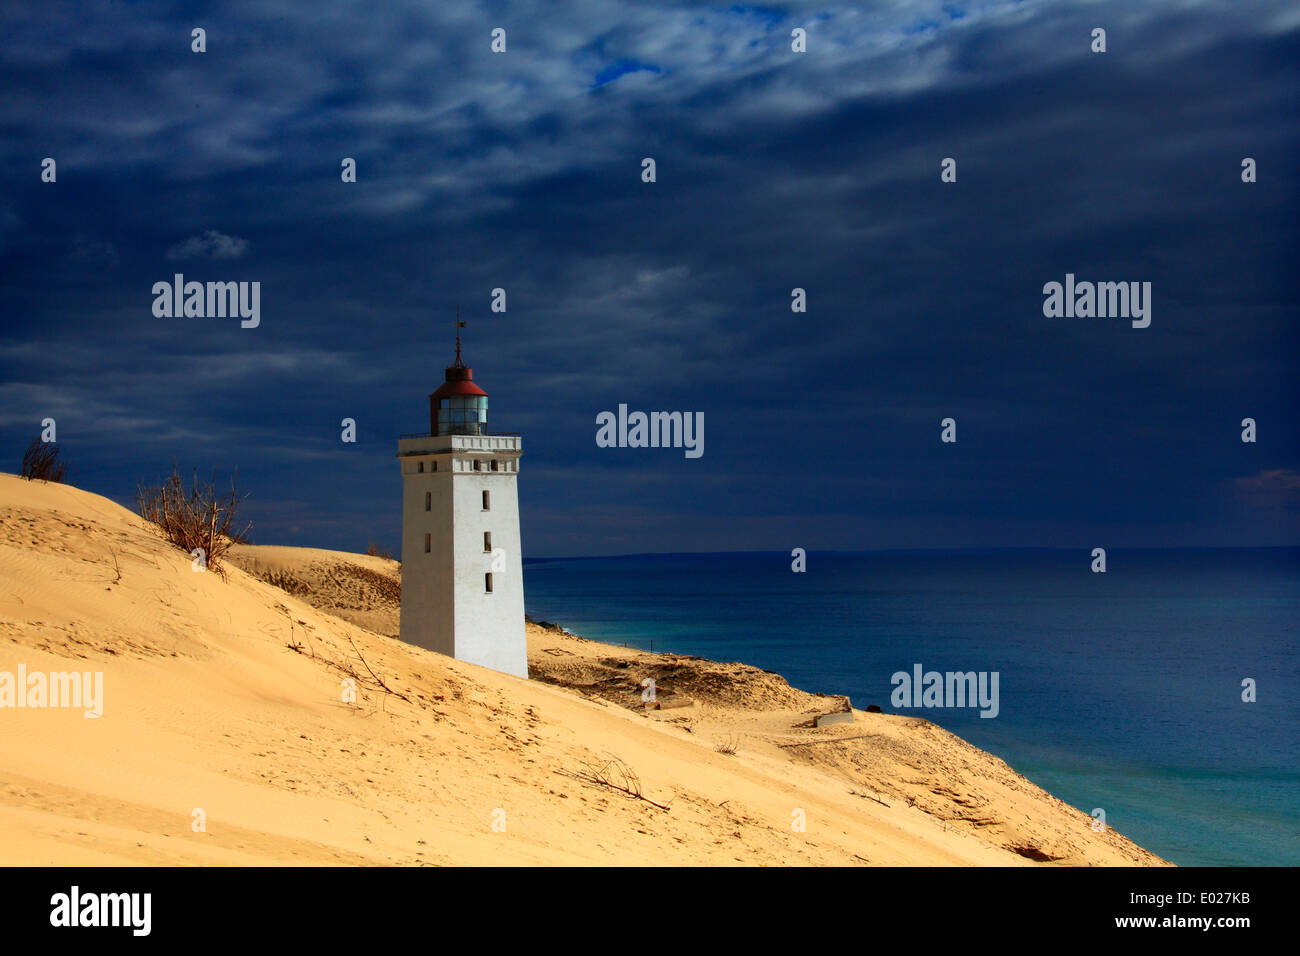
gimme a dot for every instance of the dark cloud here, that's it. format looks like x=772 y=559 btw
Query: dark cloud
x=775 y=170
x=210 y=245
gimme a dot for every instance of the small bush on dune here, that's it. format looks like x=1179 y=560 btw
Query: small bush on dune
x=194 y=518
x=375 y=551
x=41 y=462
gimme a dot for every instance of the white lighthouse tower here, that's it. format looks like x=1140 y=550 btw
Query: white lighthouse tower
x=462 y=570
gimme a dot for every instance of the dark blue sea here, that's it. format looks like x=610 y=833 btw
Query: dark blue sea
x=1120 y=691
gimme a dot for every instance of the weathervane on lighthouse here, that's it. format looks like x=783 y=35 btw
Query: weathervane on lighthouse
x=462 y=568
x=459 y=325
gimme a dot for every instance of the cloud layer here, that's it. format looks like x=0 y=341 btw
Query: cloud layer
x=776 y=170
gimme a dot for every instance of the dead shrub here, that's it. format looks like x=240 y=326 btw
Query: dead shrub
x=196 y=518
x=41 y=462
x=376 y=551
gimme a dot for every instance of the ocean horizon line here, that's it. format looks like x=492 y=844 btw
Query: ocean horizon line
x=918 y=551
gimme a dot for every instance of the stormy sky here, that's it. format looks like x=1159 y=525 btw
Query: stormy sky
x=775 y=170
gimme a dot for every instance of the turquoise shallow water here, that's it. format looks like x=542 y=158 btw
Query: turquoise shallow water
x=1119 y=691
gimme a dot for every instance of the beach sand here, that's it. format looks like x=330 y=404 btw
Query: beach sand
x=223 y=702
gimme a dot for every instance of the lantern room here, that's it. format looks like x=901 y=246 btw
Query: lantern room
x=458 y=407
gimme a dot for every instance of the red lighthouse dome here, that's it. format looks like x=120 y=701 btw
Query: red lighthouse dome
x=458 y=407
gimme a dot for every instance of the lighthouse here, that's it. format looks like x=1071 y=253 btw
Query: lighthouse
x=462 y=570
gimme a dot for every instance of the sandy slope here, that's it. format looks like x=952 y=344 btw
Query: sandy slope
x=208 y=706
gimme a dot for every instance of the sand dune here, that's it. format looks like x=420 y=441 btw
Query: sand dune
x=225 y=696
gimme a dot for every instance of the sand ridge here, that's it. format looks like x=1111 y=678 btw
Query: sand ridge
x=224 y=701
